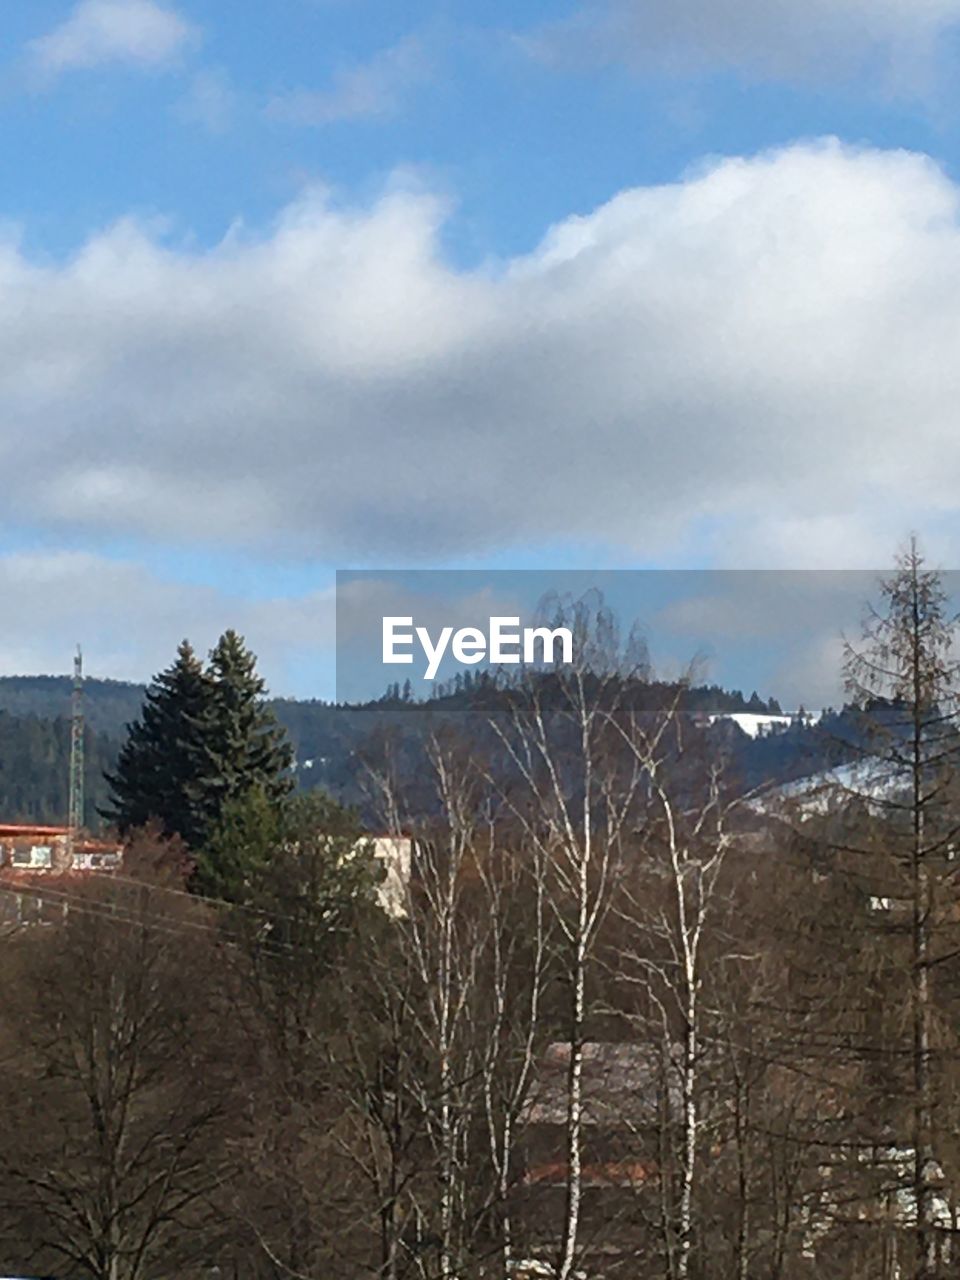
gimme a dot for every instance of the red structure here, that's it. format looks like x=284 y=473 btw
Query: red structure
x=44 y=849
x=38 y=864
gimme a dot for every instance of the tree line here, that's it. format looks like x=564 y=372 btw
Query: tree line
x=34 y=768
x=326 y=739
x=631 y=1015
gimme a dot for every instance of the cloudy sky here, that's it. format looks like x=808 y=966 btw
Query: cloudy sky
x=352 y=283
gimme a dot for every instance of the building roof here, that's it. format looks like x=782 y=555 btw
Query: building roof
x=28 y=830
x=623 y=1084
x=594 y=1173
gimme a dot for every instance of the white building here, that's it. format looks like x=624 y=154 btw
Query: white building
x=394 y=854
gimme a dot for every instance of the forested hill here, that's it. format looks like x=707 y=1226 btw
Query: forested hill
x=35 y=737
x=34 y=768
x=109 y=705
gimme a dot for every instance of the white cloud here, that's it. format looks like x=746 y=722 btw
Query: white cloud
x=210 y=101
x=98 y=32
x=363 y=602
x=894 y=40
x=131 y=620
x=369 y=90
x=766 y=350
x=784 y=632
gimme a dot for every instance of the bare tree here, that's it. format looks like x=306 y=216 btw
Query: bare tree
x=905 y=675
x=671 y=906
x=117 y=1092
x=516 y=975
x=577 y=793
x=430 y=983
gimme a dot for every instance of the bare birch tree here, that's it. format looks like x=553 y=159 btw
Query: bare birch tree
x=671 y=906
x=437 y=981
x=578 y=791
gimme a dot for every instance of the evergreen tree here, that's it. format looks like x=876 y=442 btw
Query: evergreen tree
x=244 y=749
x=205 y=737
x=248 y=834
x=159 y=763
x=306 y=847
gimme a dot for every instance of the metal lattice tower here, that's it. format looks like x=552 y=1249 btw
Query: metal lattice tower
x=75 y=817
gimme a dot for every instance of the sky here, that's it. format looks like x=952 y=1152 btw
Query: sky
x=594 y=284
x=774 y=630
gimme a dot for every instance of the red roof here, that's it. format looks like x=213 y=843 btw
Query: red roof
x=82 y=844
x=18 y=830
x=612 y=1173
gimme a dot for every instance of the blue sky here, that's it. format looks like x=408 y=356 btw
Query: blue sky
x=782 y=630
x=516 y=141
x=606 y=283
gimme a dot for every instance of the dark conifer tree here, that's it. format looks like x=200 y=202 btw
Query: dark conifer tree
x=205 y=738
x=245 y=748
x=162 y=759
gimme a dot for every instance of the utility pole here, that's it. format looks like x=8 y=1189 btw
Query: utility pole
x=75 y=817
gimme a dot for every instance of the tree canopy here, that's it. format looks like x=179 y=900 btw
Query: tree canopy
x=205 y=738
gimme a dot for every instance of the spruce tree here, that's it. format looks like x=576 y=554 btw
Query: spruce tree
x=245 y=749
x=159 y=764
x=205 y=738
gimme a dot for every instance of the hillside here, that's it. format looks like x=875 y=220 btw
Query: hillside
x=34 y=768
x=328 y=739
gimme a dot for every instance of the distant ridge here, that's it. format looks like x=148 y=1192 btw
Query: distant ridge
x=328 y=739
x=109 y=704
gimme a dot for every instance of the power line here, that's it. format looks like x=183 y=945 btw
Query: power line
x=144 y=916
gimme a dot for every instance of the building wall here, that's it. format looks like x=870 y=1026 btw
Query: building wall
x=394 y=853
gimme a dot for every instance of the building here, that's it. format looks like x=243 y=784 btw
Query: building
x=394 y=855
x=35 y=864
x=627 y=1089
x=28 y=847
